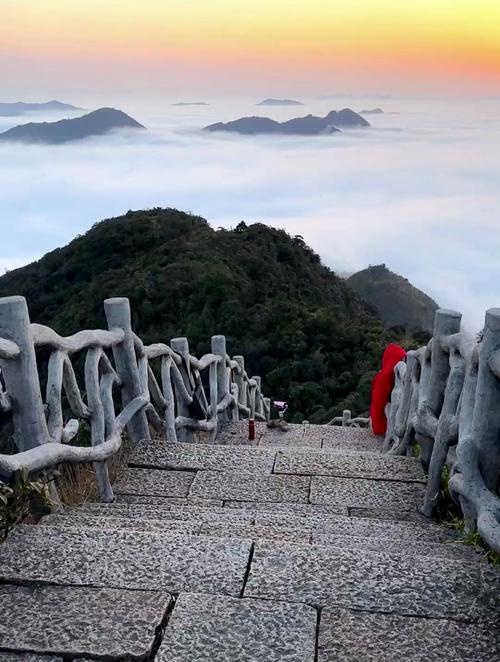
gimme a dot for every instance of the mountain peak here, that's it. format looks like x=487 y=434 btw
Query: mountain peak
x=398 y=302
x=95 y=123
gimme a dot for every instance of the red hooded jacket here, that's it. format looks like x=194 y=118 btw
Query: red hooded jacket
x=382 y=386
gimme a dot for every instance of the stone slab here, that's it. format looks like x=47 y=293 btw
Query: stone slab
x=174 y=514
x=390 y=514
x=166 y=501
x=208 y=628
x=124 y=559
x=367 y=581
x=249 y=487
x=353 y=465
x=355 y=636
x=265 y=532
x=155 y=482
x=111 y=523
x=291 y=438
x=357 y=492
x=203 y=457
x=72 y=621
x=392 y=545
x=28 y=657
x=303 y=509
x=359 y=527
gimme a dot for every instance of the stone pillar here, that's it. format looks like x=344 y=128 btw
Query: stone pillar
x=446 y=323
x=21 y=375
x=346 y=417
x=181 y=347
x=118 y=316
x=219 y=348
x=258 y=395
x=239 y=378
x=486 y=418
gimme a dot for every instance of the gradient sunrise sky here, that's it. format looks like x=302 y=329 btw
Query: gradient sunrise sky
x=287 y=46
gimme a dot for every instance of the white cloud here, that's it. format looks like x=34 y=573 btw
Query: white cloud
x=419 y=191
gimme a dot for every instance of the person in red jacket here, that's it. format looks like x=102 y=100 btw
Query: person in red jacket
x=382 y=386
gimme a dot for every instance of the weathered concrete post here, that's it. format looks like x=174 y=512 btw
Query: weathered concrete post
x=118 y=316
x=258 y=395
x=21 y=375
x=219 y=348
x=486 y=419
x=267 y=412
x=181 y=347
x=214 y=399
x=346 y=417
x=446 y=323
x=239 y=378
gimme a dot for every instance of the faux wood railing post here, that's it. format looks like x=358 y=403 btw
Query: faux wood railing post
x=239 y=378
x=446 y=323
x=118 y=316
x=181 y=347
x=21 y=375
x=258 y=395
x=486 y=419
x=219 y=348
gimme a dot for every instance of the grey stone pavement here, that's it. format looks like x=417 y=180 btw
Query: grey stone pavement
x=301 y=546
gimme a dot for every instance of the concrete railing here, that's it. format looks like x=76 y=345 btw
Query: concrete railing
x=158 y=386
x=347 y=422
x=446 y=399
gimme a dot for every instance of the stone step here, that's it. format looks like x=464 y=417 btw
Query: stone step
x=124 y=559
x=163 y=455
x=224 y=629
x=28 y=657
x=155 y=482
x=349 y=464
x=352 y=636
x=363 y=493
x=174 y=513
x=300 y=436
x=297 y=532
x=77 y=621
x=141 y=516
x=248 y=487
x=367 y=581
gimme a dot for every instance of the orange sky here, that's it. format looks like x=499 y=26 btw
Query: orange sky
x=235 y=45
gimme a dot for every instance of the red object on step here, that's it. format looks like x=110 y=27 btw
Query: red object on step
x=382 y=386
x=251 y=429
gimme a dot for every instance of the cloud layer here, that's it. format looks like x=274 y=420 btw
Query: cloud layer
x=418 y=191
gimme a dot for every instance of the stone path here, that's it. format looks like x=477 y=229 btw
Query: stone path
x=304 y=546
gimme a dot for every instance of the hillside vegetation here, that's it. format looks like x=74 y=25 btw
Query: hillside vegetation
x=310 y=337
x=398 y=302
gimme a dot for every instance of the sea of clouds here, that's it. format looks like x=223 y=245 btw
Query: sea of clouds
x=419 y=190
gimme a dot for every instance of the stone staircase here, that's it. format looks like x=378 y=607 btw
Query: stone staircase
x=301 y=546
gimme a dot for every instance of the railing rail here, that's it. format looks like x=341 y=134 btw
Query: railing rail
x=446 y=399
x=160 y=387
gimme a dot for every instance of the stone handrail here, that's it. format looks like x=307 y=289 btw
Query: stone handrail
x=446 y=398
x=160 y=386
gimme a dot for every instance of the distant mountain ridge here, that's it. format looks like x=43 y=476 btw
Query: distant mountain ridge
x=308 y=125
x=96 y=123
x=397 y=301
x=279 y=102
x=21 y=107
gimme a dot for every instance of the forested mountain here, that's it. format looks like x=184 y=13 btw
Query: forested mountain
x=397 y=301
x=310 y=337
